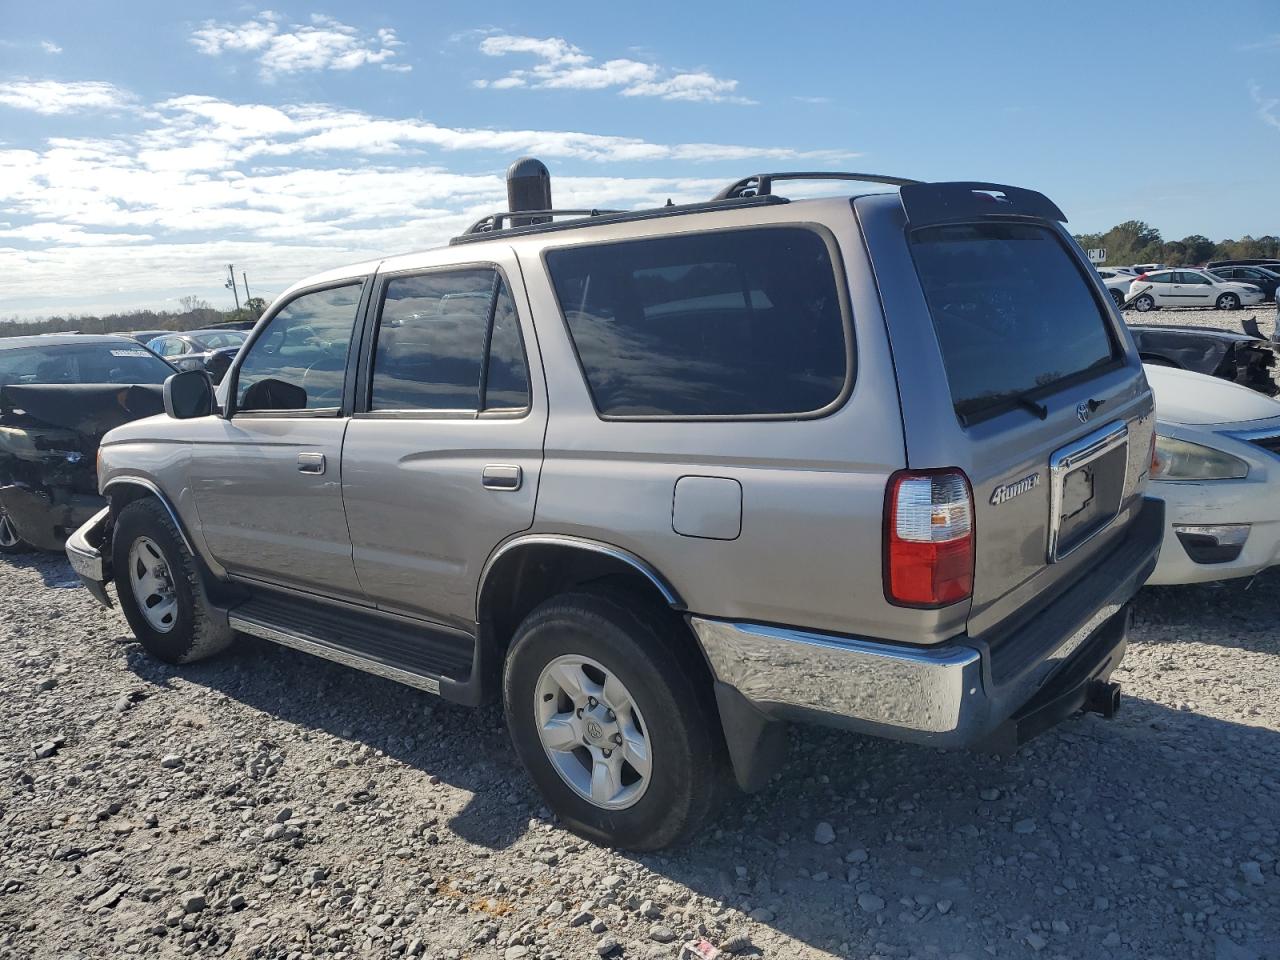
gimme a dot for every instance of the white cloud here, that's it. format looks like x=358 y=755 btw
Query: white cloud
x=323 y=44
x=56 y=96
x=1268 y=107
x=564 y=66
x=195 y=182
x=48 y=46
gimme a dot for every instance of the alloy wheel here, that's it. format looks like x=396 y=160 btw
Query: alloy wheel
x=8 y=532
x=592 y=732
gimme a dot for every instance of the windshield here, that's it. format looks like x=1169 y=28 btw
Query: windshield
x=119 y=362
x=1013 y=312
x=222 y=338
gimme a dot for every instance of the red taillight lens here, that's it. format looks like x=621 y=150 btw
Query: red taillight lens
x=928 y=542
x=1141 y=276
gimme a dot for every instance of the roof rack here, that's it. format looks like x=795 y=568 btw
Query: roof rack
x=487 y=227
x=761 y=184
x=494 y=221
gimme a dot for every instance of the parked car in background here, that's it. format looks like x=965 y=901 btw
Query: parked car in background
x=58 y=396
x=1140 y=268
x=144 y=336
x=1117 y=283
x=1260 y=277
x=1190 y=288
x=209 y=350
x=1217 y=468
x=623 y=471
x=1268 y=262
x=1246 y=358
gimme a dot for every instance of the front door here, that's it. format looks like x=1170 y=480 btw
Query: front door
x=267 y=479
x=1192 y=290
x=442 y=456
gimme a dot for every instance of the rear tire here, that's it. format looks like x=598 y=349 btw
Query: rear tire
x=158 y=583
x=1117 y=297
x=11 y=541
x=1228 y=301
x=625 y=655
x=1144 y=303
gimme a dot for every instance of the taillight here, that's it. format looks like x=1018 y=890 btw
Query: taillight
x=928 y=541
x=1141 y=276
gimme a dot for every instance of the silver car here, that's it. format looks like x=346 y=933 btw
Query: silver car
x=665 y=480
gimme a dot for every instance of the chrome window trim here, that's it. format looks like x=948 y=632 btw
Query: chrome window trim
x=1062 y=461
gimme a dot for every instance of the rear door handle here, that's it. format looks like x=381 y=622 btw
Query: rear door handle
x=502 y=476
x=311 y=463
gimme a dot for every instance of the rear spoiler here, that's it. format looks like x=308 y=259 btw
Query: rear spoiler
x=928 y=204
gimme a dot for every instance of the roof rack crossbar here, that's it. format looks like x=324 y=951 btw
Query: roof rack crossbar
x=761 y=184
x=494 y=221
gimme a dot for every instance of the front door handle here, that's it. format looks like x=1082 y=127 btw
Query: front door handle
x=502 y=476
x=312 y=463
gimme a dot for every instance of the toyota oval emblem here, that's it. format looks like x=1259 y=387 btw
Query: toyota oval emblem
x=1084 y=411
x=594 y=730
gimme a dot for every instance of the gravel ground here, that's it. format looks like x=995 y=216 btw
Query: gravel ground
x=267 y=804
x=1265 y=313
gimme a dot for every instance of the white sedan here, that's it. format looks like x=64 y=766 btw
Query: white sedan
x=1217 y=468
x=1190 y=288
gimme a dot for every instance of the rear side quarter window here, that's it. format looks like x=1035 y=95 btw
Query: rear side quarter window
x=734 y=323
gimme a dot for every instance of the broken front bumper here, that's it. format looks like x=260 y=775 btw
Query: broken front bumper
x=999 y=687
x=43 y=519
x=84 y=551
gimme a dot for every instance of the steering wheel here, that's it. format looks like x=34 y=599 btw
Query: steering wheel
x=330 y=396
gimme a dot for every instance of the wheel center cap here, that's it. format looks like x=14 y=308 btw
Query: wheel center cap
x=594 y=730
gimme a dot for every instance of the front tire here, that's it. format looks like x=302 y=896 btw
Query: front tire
x=1117 y=297
x=1228 y=301
x=11 y=541
x=1144 y=303
x=612 y=713
x=158 y=583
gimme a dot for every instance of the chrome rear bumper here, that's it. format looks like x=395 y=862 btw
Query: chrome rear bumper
x=957 y=694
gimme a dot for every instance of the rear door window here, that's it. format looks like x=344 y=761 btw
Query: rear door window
x=449 y=340
x=735 y=323
x=1014 y=314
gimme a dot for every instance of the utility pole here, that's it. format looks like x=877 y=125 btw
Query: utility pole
x=245 y=277
x=231 y=283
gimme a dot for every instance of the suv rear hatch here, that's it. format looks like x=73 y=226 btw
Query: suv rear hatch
x=995 y=315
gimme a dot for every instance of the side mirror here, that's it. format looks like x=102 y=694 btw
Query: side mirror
x=188 y=395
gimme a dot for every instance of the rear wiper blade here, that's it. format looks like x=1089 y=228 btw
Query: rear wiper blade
x=1024 y=401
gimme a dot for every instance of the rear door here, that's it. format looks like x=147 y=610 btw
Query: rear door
x=1162 y=290
x=1012 y=368
x=442 y=457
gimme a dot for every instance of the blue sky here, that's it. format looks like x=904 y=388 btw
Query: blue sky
x=144 y=145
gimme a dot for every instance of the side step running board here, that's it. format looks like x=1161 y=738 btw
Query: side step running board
x=407 y=651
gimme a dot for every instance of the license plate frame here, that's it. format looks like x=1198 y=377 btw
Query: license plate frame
x=1084 y=510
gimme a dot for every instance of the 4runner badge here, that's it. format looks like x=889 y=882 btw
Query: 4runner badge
x=1008 y=491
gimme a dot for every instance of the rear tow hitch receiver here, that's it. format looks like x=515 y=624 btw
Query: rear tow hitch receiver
x=1103 y=698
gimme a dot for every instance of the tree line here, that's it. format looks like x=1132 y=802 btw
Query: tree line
x=1136 y=242
x=194 y=313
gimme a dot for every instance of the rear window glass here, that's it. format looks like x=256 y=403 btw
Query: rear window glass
x=732 y=323
x=1013 y=313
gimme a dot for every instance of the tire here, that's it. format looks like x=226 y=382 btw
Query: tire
x=1117 y=297
x=11 y=541
x=158 y=584
x=1228 y=301
x=1144 y=303
x=640 y=649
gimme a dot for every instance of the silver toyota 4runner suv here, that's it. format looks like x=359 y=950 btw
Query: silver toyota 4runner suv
x=665 y=480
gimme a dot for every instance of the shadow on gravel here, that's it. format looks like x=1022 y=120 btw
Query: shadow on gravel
x=53 y=568
x=1235 y=613
x=1123 y=838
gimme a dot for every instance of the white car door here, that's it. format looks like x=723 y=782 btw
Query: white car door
x=1162 y=288
x=1192 y=290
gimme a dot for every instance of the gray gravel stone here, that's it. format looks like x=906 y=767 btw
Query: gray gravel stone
x=824 y=833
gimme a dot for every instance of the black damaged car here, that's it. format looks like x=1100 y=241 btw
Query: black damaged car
x=58 y=396
x=1247 y=358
